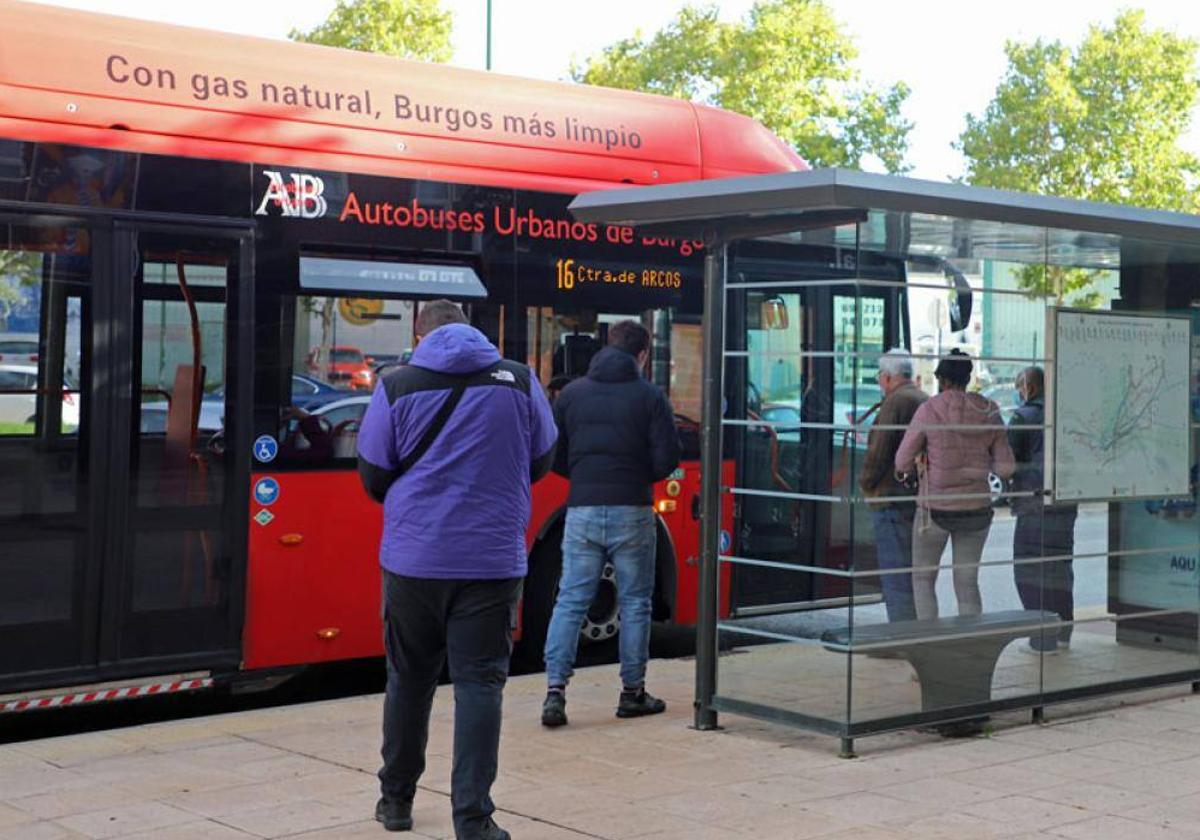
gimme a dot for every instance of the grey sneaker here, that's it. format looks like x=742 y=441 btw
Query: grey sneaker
x=554 y=709
x=639 y=704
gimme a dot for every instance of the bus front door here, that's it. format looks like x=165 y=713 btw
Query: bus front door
x=181 y=453
x=803 y=361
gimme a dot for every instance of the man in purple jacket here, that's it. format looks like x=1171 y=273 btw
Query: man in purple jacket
x=450 y=445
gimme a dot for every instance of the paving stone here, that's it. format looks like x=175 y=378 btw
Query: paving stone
x=45 y=830
x=200 y=830
x=1127 y=770
x=80 y=800
x=1024 y=813
x=11 y=815
x=126 y=819
x=1118 y=828
x=1101 y=798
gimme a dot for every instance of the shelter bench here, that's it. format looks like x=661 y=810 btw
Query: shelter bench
x=954 y=657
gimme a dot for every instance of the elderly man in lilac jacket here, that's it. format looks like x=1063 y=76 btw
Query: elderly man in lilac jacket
x=450 y=445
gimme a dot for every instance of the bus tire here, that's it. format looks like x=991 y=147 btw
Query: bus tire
x=597 y=642
x=537 y=601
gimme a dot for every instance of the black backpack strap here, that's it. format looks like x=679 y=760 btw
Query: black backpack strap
x=435 y=428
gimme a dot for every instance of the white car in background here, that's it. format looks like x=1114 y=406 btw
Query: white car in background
x=341 y=419
x=18 y=397
x=18 y=348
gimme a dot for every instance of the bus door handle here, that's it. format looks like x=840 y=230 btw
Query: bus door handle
x=696 y=507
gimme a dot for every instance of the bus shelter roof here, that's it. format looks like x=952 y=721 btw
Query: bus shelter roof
x=767 y=205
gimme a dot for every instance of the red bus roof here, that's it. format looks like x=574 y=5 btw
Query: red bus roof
x=76 y=77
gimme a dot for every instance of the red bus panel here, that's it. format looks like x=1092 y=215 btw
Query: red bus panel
x=159 y=88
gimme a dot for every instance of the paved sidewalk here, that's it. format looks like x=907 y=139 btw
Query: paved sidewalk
x=1119 y=769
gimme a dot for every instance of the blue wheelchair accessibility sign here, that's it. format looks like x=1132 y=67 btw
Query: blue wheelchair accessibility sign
x=265 y=449
x=266 y=491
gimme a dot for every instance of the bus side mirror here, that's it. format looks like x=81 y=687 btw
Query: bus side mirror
x=961 y=301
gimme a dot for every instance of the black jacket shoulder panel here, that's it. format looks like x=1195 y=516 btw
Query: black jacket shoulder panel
x=617 y=435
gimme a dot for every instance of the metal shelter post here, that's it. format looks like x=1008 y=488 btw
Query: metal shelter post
x=710 y=487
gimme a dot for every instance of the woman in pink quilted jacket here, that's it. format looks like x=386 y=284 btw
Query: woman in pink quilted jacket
x=958 y=438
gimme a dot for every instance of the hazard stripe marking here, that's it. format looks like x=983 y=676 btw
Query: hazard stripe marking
x=125 y=693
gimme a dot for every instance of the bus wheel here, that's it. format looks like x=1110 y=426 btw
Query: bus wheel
x=597 y=636
x=603 y=619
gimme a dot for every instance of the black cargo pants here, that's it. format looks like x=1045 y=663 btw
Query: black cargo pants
x=426 y=622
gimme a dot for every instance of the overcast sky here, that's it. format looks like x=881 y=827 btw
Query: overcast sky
x=950 y=53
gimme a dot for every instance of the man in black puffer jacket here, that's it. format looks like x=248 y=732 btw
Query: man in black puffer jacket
x=616 y=438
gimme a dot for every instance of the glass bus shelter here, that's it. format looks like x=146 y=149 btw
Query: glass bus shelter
x=1043 y=544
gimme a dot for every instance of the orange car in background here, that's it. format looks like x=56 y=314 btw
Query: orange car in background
x=342 y=366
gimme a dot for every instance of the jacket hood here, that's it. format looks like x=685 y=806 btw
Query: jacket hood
x=613 y=365
x=455 y=348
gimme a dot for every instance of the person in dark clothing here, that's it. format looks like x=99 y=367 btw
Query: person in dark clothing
x=616 y=438
x=1042 y=530
x=454 y=480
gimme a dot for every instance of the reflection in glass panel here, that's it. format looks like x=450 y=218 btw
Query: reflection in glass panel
x=340 y=348
x=44 y=292
x=24 y=407
x=775 y=367
x=561 y=344
x=45 y=415
x=686 y=360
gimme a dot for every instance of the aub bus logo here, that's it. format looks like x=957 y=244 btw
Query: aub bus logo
x=300 y=196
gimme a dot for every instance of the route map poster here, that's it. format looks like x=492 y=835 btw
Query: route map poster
x=1122 y=406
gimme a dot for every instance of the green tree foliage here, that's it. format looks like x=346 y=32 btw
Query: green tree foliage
x=417 y=29
x=19 y=270
x=789 y=64
x=1100 y=122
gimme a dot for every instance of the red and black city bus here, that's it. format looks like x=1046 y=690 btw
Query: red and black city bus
x=211 y=246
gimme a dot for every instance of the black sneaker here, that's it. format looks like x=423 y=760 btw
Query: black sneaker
x=554 y=709
x=491 y=831
x=395 y=814
x=639 y=704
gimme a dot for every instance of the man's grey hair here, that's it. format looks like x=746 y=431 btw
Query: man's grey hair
x=896 y=362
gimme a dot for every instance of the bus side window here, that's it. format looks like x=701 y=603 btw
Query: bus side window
x=339 y=348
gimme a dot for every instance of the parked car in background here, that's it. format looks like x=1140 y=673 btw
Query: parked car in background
x=378 y=361
x=1006 y=397
x=153 y=419
x=340 y=419
x=341 y=366
x=308 y=392
x=851 y=404
x=19 y=348
x=340 y=411
x=785 y=420
x=18 y=398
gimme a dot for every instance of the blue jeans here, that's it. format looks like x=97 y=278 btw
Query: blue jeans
x=893 y=541
x=621 y=535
